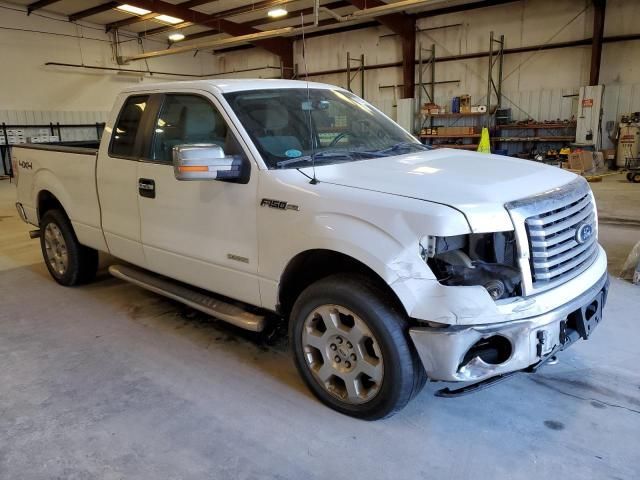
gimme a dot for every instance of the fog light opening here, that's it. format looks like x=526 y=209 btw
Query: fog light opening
x=492 y=350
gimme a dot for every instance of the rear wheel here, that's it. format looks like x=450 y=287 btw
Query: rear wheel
x=630 y=176
x=68 y=262
x=636 y=178
x=352 y=349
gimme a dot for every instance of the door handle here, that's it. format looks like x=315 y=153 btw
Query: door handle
x=147 y=187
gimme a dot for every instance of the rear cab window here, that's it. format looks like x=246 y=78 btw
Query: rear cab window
x=125 y=131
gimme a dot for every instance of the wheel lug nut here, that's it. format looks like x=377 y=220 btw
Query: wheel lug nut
x=353 y=356
x=337 y=359
x=340 y=340
x=333 y=346
x=349 y=345
x=347 y=364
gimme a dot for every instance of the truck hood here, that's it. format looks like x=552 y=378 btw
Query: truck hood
x=476 y=184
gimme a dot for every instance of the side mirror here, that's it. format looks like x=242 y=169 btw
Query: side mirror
x=205 y=161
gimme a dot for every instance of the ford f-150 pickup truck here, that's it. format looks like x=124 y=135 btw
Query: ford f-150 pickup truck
x=393 y=263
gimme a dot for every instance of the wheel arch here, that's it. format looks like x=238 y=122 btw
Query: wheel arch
x=309 y=266
x=46 y=201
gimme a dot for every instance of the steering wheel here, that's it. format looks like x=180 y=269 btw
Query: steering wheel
x=340 y=136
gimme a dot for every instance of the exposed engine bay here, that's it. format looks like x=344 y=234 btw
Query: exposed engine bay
x=486 y=259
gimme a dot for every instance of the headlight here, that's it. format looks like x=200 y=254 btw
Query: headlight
x=484 y=259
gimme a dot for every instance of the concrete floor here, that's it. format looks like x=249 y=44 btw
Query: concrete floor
x=109 y=381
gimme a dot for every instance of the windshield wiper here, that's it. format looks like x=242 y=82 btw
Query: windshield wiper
x=402 y=146
x=329 y=155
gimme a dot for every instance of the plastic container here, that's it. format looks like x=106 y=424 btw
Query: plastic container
x=455 y=105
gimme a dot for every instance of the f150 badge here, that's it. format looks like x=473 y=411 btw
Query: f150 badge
x=278 y=204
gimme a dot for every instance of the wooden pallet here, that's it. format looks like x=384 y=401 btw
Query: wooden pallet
x=599 y=176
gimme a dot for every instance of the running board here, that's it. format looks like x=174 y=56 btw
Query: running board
x=211 y=306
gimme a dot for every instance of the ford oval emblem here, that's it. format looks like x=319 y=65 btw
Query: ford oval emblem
x=584 y=232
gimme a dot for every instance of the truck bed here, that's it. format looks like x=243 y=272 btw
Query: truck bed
x=66 y=172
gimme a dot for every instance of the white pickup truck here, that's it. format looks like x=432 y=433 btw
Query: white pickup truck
x=393 y=263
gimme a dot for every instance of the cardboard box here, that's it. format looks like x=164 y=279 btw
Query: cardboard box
x=582 y=161
x=465 y=104
x=609 y=154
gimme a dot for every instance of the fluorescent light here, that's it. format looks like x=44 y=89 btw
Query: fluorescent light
x=277 y=12
x=169 y=19
x=176 y=37
x=132 y=9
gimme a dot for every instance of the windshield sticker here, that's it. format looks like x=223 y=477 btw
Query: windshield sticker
x=293 y=153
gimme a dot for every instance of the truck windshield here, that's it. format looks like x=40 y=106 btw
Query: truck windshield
x=294 y=126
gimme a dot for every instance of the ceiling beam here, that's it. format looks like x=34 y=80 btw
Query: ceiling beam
x=32 y=7
x=265 y=21
x=214 y=17
x=105 y=7
x=283 y=47
x=396 y=22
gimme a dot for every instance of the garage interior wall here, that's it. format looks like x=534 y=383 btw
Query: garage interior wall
x=32 y=93
x=536 y=84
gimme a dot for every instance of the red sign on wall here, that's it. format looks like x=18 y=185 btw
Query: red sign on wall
x=587 y=102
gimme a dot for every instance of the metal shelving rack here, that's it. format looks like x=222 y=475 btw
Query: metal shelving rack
x=360 y=70
x=453 y=119
x=553 y=133
x=494 y=85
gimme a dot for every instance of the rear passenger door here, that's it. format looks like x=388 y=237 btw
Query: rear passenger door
x=201 y=232
x=117 y=178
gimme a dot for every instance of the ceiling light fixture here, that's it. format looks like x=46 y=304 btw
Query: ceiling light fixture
x=277 y=12
x=168 y=19
x=176 y=37
x=132 y=9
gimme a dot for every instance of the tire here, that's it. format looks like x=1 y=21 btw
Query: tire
x=636 y=178
x=375 y=356
x=630 y=176
x=68 y=262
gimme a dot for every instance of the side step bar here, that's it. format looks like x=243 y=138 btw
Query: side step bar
x=192 y=298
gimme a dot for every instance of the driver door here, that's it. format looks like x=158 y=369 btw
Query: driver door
x=201 y=232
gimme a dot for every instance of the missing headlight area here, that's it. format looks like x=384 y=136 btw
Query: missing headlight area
x=485 y=259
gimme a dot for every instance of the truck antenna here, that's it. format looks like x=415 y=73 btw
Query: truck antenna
x=314 y=180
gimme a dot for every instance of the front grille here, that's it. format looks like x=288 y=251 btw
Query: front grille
x=556 y=255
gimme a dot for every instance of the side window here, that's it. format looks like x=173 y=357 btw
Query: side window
x=124 y=134
x=189 y=119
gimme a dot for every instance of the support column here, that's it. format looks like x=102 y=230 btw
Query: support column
x=596 y=44
x=409 y=61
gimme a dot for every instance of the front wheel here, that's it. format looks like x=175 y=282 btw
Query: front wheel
x=69 y=262
x=351 y=347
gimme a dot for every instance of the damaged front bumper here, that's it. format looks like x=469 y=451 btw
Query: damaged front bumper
x=474 y=353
